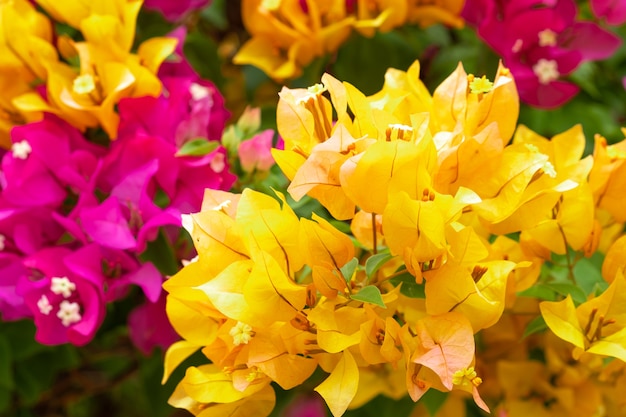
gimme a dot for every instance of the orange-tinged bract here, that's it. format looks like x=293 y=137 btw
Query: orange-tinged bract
x=450 y=224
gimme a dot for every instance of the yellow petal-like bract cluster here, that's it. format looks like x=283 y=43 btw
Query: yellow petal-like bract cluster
x=453 y=209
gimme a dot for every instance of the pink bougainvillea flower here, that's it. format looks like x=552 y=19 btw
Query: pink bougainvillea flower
x=613 y=11
x=128 y=218
x=254 y=153
x=66 y=307
x=542 y=43
x=306 y=405
x=174 y=10
x=149 y=326
x=46 y=159
x=12 y=306
x=193 y=109
x=117 y=269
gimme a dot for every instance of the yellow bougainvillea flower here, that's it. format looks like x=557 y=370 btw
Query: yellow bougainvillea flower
x=379 y=15
x=459 y=109
x=446 y=345
x=319 y=175
x=615 y=260
x=365 y=226
x=608 y=176
x=26 y=52
x=88 y=98
x=304 y=120
x=403 y=93
x=365 y=177
x=108 y=70
x=568 y=220
x=447 y=12
x=287 y=36
x=528 y=388
x=520 y=175
x=115 y=18
x=326 y=251
x=341 y=386
x=477 y=292
x=597 y=326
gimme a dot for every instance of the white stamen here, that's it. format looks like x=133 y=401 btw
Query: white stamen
x=62 y=285
x=21 y=149
x=546 y=70
x=547 y=37
x=69 y=313
x=223 y=205
x=198 y=92
x=44 y=305
x=241 y=333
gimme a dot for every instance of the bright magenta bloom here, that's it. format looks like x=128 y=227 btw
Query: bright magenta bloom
x=541 y=42
x=613 y=11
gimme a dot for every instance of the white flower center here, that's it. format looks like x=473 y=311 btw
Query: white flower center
x=84 y=84
x=241 y=333
x=69 y=313
x=62 y=285
x=198 y=92
x=44 y=305
x=546 y=70
x=21 y=149
x=270 y=5
x=547 y=37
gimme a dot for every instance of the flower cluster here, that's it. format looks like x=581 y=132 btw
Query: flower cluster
x=81 y=215
x=542 y=42
x=286 y=35
x=79 y=81
x=442 y=214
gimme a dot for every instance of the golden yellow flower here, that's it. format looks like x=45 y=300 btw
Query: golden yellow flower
x=287 y=36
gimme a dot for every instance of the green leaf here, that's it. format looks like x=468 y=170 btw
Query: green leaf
x=215 y=14
x=6 y=368
x=348 y=269
x=343 y=227
x=161 y=254
x=21 y=338
x=198 y=147
x=201 y=52
x=539 y=291
x=433 y=400
x=409 y=287
x=370 y=294
x=536 y=325
x=565 y=289
x=5 y=399
x=587 y=273
x=374 y=262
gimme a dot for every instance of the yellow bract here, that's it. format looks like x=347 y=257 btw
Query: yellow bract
x=596 y=326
